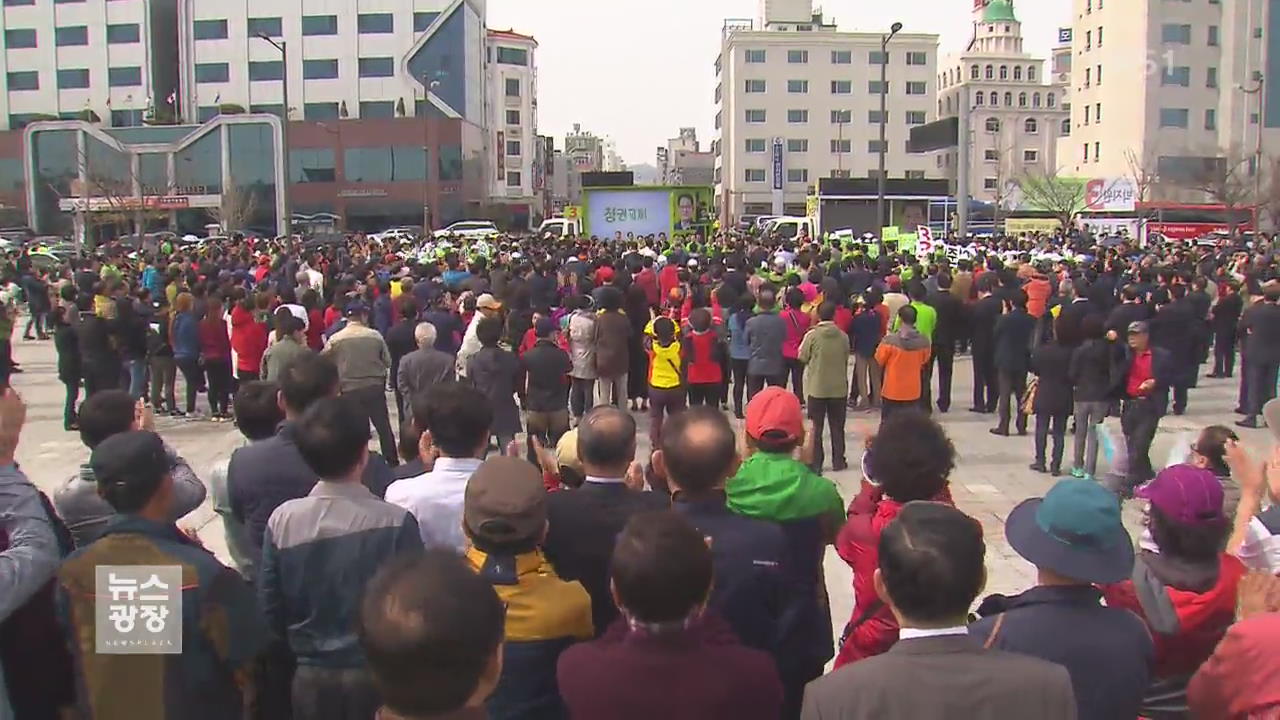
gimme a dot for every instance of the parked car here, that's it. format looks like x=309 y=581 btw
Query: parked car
x=469 y=230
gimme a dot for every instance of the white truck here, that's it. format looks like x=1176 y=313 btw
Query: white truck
x=560 y=227
x=791 y=226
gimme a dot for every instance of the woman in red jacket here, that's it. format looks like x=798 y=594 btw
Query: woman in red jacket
x=912 y=458
x=249 y=335
x=215 y=351
x=1184 y=586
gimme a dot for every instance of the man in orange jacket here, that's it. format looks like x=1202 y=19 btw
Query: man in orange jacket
x=902 y=354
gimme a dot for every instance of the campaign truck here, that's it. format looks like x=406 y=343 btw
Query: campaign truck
x=640 y=210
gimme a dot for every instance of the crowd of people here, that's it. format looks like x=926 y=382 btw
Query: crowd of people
x=509 y=551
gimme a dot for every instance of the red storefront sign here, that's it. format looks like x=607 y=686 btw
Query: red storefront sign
x=1191 y=230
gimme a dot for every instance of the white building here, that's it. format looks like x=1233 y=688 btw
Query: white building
x=1158 y=88
x=59 y=59
x=794 y=81
x=584 y=150
x=613 y=162
x=346 y=60
x=512 y=116
x=683 y=161
x=1016 y=110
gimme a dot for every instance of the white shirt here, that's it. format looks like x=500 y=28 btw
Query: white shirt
x=908 y=633
x=435 y=501
x=1261 y=549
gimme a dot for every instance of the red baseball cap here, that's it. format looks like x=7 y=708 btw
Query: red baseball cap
x=774 y=410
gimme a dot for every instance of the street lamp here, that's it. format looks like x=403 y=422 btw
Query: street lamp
x=1256 y=89
x=284 y=128
x=884 y=91
x=428 y=86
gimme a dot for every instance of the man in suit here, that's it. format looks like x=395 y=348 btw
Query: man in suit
x=1131 y=309
x=983 y=316
x=1223 y=317
x=1012 y=336
x=1262 y=362
x=949 y=330
x=1067 y=328
x=1173 y=328
x=931 y=569
x=582 y=523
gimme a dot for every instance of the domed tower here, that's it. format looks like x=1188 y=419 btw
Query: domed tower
x=997 y=28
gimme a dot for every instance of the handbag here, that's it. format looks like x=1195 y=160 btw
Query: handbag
x=1028 y=404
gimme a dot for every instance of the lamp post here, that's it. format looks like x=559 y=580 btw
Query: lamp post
x=1256 y=89
x=428 y=86
x=884 y=91
x=287 y=220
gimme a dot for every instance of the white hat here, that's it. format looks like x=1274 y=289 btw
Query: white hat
x=693 y=262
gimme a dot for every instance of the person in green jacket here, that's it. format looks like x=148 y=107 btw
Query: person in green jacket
x=824 y=351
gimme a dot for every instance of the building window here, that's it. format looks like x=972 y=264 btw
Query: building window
x=841 y=87
x=797 y=145
x=874 y=87
x=1097 y=152
x=269 y=26
x=1008 y=99
x=755 y=116
x=1031 y=126
x=386 y=163
x=755 y=145
x=841 y=117
x=266 y=70
x=513 y=178
x=797 y=57
x=209 y=29
x=797 y=86
x=1097 y=112
x=212 y=72
x=423 y=20
x=319 y=69
x=377 y=109
x=512 y=56
x=993 y=125
x=917 y=117
x=914 y=175
x=1211 y=77
x=513 y=87
x=755 y=86
x=796 y=116
x=915 y=87
x=311 y=165
x=1210 y=119
x=122 y=34
x=991 y=72
x=995 y=99
x=73 y=79
x=990 y=183
x=124 y=76
x=320 y=111
x=1213 y=35
x=69 y=36
x=1086 y=114
x=717 y=121
x=1030 y=156
x=1065 y=129
x=755 y=56
x=979 y=100
x=513 y=117
x=841 y=145
x=18 y=3
x=1098 y=75
x=754 y=175
x=1175 y=34
x=990 y=155
x=797 y=175
x=875 y=57
x=1022 y=100
x=917 y=58
x=513 y=148
x=375 y=23
x=876 y=146
x=1173 y=117
x=319 y=24
x=376 y=67
x=1051 y=100
x=873 y=117
x=1017 y=72
x=20 y=38
x=841 y=57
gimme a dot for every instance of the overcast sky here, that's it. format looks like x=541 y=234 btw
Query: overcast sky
x=639 y=75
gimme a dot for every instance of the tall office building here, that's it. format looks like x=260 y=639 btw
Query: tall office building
x=116 y=61
x=1158 y=89
x=512 y=82
x=797 y=99
x=1017 y=110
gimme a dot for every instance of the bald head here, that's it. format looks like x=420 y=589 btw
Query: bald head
x=699 y=451
x=607 y=441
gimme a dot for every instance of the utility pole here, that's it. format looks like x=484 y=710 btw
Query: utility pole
x=1257 y=89
x=884 y=92
x=286 y=223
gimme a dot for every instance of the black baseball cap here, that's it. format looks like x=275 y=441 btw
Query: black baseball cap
x=132 y=459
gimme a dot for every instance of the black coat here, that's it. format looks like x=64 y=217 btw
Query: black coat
x=951 y=317
x=1090 y=371
x=1013 y=335
x=1262 y=323
x=982 y=322
x=1052 y=363
x=1126 y=313
x=1174 y=329
x=1225 y=315
x=1070 y=320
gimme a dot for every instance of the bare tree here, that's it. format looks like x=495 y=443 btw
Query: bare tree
x=1270 y=199
x=1225 y=180
x=237 y=207
x=1051 y=192
x=1143 y=172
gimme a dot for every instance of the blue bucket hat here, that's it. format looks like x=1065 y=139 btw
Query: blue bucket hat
x=1075 y=530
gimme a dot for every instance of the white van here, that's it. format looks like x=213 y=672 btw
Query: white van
x=791 y=227
x=560 y=227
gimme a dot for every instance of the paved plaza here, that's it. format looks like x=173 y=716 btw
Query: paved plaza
x=991 y=476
